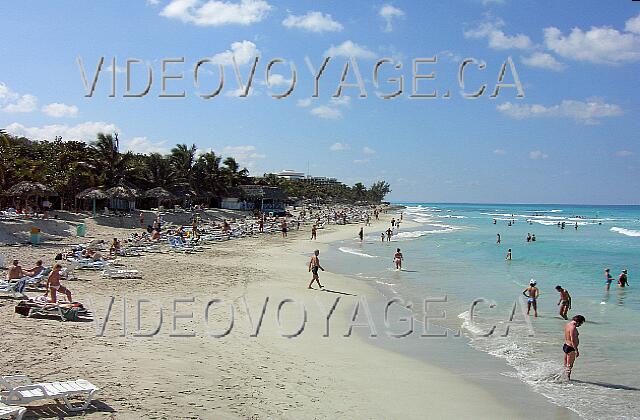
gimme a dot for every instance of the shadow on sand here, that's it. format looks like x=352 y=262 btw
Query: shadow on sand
x=606 y=385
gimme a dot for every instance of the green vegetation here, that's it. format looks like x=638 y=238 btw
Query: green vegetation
x=69 y=167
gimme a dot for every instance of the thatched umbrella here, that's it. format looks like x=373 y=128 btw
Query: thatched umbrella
x=92 y=194
x=160 y=194
x=122 y=192
x=27 y=189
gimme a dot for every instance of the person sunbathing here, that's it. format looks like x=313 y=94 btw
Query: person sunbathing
x=155 y=236
x=54 y=286
x=115 y=247
x=39 y=268
x=15 y=271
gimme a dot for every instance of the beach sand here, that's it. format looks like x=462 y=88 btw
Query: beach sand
x=238 y=375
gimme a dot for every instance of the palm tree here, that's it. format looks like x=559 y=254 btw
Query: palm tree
x=208 y=176
x=359 y=190
x=182 y=159
x=234 y=176
x=160 y=172
x=112 y=165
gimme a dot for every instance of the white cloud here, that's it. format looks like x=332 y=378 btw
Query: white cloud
x=217 y=13
x=26 y=103
x=624 y=153
x=492 y=30
x=341 y=101
x=500 y=152
x=153 y=2
x=360 y=161
x=543 y=61
x=144 y=145
x=313 y=22
x=59 y=110
x=368 y=151
x=633 y=25
x=598 y=44
x=339 y=147
x=13 y=102
x=81 y=132
x=349 y=49
x=388 y=12
x=277 y=80
x=243 y=51
x=588 y=112
x=537 y=154
x=246 y=155
x=326 y=112
x=304 y=103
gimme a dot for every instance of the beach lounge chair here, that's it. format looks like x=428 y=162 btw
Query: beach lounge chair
x=24 y=394
x=15 y=411
x=39 y=306
x=176 y=245
x=115 y=273
x=14 y=289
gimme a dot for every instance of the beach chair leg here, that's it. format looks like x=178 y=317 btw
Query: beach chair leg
x=20 y=413
x=84 y=406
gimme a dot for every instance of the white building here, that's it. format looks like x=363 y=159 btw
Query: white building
x=290 y=174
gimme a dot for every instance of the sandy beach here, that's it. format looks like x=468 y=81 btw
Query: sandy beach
x=193 y=370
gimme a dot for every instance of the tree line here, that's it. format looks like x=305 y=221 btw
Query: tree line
x=69 y=167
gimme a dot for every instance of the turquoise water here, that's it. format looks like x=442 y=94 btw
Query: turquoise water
x=454 y=253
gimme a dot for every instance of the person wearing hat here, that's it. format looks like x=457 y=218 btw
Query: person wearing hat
x=622 y=280
x=532 y=293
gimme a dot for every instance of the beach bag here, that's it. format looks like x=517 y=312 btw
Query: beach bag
x=22 y=309
x=70 y=314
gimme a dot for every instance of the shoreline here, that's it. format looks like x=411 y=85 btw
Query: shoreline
x=237 y=376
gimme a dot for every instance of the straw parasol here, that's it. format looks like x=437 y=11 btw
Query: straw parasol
x=160 y=194
x=122 y=192
x=92 y=194
x=29 y=188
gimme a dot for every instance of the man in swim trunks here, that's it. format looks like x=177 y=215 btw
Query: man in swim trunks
x=15 y=271
x=608 y=278
x=284 y=228
x=623 y=281
x=397 y=259
x=389 y=232
x=571 y=341
x=39 y=268
x=54 y=286
x=314 y=231
x=564 y=302
x=532 y=293
x=314 y=265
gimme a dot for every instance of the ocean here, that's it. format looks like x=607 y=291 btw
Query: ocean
x=453 y=253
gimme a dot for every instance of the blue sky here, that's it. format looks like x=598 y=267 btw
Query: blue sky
x=572 y=139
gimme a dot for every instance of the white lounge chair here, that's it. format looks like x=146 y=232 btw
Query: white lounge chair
x=115 y=273
x=12 y=289
x=6 y=412
x=24 y=394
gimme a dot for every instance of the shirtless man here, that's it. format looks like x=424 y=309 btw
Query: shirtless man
x=571 y=341
x=499 y=239
x=314 y=265
x=508 y=257
x=283 y=226
x=397 y=259
x=389 y=232
x=532 y=293
x=314 y=232
x=35 y=270
x=15 y=271
x=564 y=302
x=54 y=286
x=361 y=234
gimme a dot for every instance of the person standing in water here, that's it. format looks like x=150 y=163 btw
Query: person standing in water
x=498 y=241
x=532 y=293
x=623 y=281
x=608 y=279
x=361 y=234
x=314 y=265
x=382 y=236
x=564 y=302
x=397 y=259
x=389 y=232
x=508 y=257
x=571 y=341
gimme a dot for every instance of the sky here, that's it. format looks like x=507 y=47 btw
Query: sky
x=572 y=138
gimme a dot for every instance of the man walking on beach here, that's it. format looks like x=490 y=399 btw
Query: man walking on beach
x=314 y=265
x=564 y=302
x=571 y=341
x=314 y=231
x=361 y=234
x=283 y=225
